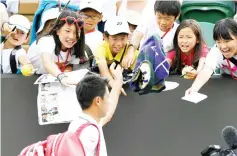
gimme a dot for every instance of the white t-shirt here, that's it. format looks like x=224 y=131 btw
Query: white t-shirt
x=5 y=59
x=47 y=45
x=216 y=60
x=93 y=39
x=90 y=135
x=150 y=27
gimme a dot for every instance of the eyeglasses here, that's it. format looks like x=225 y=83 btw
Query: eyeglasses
x=71 y=20
x=84 y=16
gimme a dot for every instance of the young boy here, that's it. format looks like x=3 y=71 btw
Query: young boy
x=113 y=48
x=98 y=105
x=166 y=12
x=13 y=56
x=91 y=14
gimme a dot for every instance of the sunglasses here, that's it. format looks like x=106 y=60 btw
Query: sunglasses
x=72 y=20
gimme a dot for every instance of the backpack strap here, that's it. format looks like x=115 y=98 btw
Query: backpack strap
x=121 y=59
x=233 y=60
x=89 y=54
x=79 y=130
x=13 y=63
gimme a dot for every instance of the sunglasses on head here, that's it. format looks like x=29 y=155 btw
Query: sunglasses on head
x=71 y=20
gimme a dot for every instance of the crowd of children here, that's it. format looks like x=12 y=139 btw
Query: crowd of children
x=65 y=36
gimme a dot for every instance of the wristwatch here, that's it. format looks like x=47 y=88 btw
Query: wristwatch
x=61 y=76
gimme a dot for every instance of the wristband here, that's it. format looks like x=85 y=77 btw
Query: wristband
x=61 y=76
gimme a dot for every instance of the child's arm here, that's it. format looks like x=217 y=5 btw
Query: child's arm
x=134 y=44
x=170 y=57
x=104 y=70
x=201 y=64
x=27 y=68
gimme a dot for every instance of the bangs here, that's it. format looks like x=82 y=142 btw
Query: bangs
x=222 y=31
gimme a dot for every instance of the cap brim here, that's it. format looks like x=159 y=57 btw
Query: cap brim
x=90 y=7
x=25 y=30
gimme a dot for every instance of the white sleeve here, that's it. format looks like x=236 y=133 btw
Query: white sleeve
x=46 y=45
x=142 y=27
x=213 y=58
x=89 y=138
x=20 y=52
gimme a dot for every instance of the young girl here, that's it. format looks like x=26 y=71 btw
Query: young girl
x=223 y=55
x=63 y=47
x=189 y=52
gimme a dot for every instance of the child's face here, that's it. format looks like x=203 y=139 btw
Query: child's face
x=67 y=35
x=228 y=47
x=187 y=40
x=18 y=38
x=117 y=42
x=91 y=18
x=164 y=21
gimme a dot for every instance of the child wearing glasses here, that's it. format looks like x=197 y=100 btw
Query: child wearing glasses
x=63 y=47
x=91 y=14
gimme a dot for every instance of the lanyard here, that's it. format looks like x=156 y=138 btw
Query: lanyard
x=64 y=63
x=228 y=62
x=167 y=32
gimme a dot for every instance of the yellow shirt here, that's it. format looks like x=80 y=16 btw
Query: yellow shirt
x=103 y=51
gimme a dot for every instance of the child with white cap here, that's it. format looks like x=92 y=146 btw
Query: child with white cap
x=47 y=22
x=13 y=56
x=91 y=14
x=114 y=47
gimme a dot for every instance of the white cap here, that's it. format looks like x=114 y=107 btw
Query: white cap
x=116 y=25
x=95 y=5
x=20 y=22
x=52 y=13
x=133 y=17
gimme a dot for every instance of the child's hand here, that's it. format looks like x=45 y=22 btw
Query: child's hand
x=189 y=72
x=27 y=70
x=192 y=74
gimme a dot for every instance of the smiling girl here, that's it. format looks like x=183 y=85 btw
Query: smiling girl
x=189 y=49
x=223 y=55
x=63 y=47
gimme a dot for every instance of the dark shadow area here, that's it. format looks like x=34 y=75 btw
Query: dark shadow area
x=154 y=124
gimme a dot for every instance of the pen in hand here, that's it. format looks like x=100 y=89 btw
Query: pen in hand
x=186 y=73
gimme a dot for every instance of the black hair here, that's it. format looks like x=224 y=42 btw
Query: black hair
x=192 y=24
x=107 y=34
x=224 y=28
x=80 y=45
x=170 y=8
x=90 y=87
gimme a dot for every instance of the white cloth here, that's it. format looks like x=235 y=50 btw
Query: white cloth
x=5 y=59
x=89 y=136
x=109 y=8
x=150 y=27
x=47 y=45
x=215 y=60
x=12 y=6
x=93 y=39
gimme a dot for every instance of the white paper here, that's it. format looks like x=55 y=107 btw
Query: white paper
x=195 y=98
x=57 y=103
x=170 y=85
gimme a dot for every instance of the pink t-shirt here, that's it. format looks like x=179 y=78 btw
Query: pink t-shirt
x=187 y=59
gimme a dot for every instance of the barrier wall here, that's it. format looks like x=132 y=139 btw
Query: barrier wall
x=154 y=124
